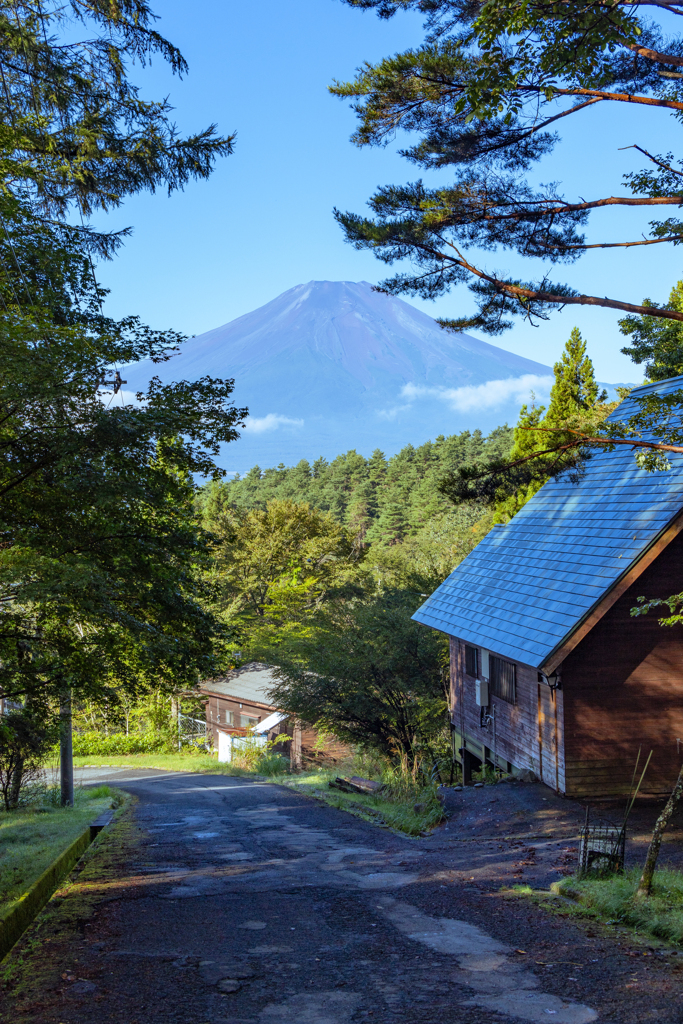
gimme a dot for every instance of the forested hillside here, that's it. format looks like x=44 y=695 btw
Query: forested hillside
x=378 y=499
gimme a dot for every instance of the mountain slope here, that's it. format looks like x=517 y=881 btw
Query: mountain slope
x=331 y=365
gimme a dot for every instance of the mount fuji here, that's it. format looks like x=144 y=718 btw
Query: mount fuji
x=333 y=365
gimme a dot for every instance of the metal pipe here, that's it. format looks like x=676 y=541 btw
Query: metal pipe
x=493 y=719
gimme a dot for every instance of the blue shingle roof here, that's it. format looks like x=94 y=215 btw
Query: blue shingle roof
x=528 y=584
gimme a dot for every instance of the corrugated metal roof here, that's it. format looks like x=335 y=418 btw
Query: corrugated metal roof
x=249 y=683
x=528 y=584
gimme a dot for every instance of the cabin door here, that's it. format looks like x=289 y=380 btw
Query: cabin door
x=547 y=737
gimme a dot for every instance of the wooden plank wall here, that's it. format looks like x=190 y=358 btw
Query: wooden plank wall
x=217 y=705
x=529 y=734
x=322 y=749
x=623 y=687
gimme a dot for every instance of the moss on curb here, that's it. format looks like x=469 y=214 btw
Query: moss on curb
x=30 y=972
x=16 y=920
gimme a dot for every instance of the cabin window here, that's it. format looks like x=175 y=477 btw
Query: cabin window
x=503 y=681
x=248 y=721
x=472 y=661
x=229 y=717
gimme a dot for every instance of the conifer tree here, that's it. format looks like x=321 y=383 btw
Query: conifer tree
x=76 y=131
x=527 y=441
x=575 y=388
x=391 y=526
x=575 y=403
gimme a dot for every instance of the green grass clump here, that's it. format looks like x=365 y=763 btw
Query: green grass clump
x=34 y=835
x=402 y=805
x=614 y=899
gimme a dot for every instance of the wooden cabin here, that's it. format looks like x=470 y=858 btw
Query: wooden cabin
x=239 y=702
x=550 y=671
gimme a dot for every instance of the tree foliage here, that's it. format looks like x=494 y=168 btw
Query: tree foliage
x=656 y=343
x=103 y=559
x=576 y=403
x=76 y=130
x=366 y=672
x=546 y=443
x=484 y=94
x=383 y=502
x=26 y=735
x=274 y=566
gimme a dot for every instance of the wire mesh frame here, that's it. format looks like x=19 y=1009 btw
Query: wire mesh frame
x=191 y=730
x=601 y=849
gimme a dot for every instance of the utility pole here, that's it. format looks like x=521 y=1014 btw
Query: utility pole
x=66 y=760
x=175 y=716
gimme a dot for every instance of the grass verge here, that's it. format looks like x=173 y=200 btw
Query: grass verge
x=31 y=975
x=181 y=762
x=412 y=811
x=613 y=901
x=31 y=838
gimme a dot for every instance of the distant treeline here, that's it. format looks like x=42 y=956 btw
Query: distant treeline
x=382 y=500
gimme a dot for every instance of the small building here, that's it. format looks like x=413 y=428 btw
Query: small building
x=238 y=702
x=550 y=672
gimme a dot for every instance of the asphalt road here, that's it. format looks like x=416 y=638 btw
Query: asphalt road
x=246 y=903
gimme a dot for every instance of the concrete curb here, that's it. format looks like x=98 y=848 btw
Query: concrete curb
x=17 y=919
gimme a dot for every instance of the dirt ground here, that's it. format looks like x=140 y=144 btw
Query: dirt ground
x=220 y=901
x=543 y=828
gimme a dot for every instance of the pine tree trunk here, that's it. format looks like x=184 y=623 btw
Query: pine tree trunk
x=645 y=885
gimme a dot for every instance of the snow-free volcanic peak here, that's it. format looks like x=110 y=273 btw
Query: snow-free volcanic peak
x=333 y=365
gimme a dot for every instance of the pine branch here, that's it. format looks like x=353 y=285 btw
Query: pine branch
x=539 y=295
x=616 y=97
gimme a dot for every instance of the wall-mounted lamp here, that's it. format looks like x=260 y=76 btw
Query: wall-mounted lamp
x=553 y=680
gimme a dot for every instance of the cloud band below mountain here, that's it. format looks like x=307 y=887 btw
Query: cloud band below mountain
x=483 y=396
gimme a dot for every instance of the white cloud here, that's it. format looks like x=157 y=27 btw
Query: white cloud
x=260 y=424
x=391 y=414
x=483 y=396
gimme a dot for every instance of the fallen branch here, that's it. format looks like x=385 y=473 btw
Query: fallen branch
x=355 y=785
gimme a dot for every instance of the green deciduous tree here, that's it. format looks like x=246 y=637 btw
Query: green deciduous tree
x=274 y=566
x=366 y=672
x=656 y=343
x=484 y=94
x=26 y=735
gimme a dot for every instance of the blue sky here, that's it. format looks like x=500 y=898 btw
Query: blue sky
x=263 y=222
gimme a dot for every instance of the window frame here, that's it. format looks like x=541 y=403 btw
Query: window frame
x=497 y=666
x=469 y=648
